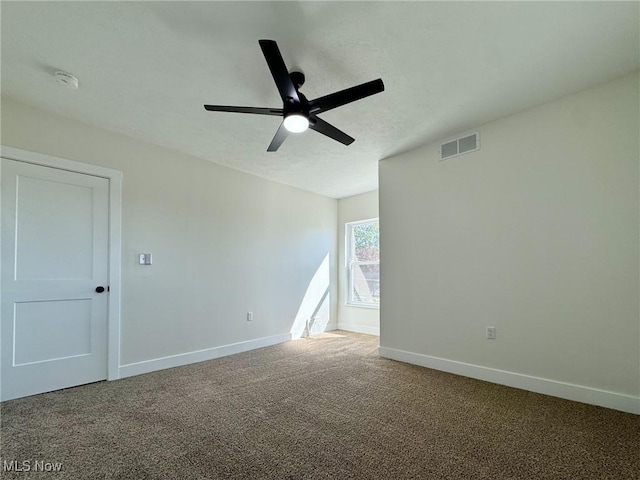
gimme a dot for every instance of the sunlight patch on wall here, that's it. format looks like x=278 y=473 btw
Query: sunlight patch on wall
x=314 y=312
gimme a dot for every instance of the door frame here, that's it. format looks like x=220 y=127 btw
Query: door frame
x=115 y=242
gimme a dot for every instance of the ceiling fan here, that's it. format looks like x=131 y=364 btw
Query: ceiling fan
x=299 y=113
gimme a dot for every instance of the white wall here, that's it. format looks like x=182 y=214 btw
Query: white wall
x=223 y=242
x=536 y=234
x=357 y=319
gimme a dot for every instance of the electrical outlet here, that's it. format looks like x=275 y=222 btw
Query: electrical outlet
x=491 y=333
x=249 y=316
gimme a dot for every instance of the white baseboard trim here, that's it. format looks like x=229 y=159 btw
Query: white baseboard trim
x=181 y=359
x=354 y=327
x=578 y=393
x=301 y=333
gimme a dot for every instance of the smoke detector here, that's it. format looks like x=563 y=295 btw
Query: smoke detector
x=66 y=79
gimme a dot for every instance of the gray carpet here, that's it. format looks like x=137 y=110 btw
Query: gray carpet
x=325 y=407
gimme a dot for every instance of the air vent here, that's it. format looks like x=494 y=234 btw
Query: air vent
x=459 y=146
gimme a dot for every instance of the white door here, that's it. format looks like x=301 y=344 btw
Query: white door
x=54 y=255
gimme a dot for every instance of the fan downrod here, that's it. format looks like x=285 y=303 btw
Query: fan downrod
x=297 y=78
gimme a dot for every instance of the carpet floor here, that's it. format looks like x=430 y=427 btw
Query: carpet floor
x=325 y=407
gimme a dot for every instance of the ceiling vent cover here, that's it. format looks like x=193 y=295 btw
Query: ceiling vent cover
x=459 y=146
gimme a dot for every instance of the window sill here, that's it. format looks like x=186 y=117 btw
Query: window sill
x=370 y=306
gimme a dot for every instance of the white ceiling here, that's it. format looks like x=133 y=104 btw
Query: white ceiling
x=146 y=69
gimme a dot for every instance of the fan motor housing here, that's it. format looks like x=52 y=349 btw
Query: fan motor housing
x=291 y=106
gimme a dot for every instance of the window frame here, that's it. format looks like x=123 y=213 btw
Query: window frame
x=350 y=263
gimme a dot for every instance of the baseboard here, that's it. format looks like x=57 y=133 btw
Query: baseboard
x=301 y=333
x=354 y=327
x=578 y=393
x=181 y=359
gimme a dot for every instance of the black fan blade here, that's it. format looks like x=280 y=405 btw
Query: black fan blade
x=256 y=110
x=330 y=131
x=278 y=138
x=278 y=70
x=349 y=95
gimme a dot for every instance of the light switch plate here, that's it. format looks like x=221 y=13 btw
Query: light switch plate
x=145 y=259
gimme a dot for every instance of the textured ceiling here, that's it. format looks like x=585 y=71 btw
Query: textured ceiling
x=146 y=69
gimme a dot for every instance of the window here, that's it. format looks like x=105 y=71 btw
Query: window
x=363 y=263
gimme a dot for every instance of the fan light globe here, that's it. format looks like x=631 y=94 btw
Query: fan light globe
x=296 y=123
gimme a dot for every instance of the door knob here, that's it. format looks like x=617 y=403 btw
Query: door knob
x=100 y=289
